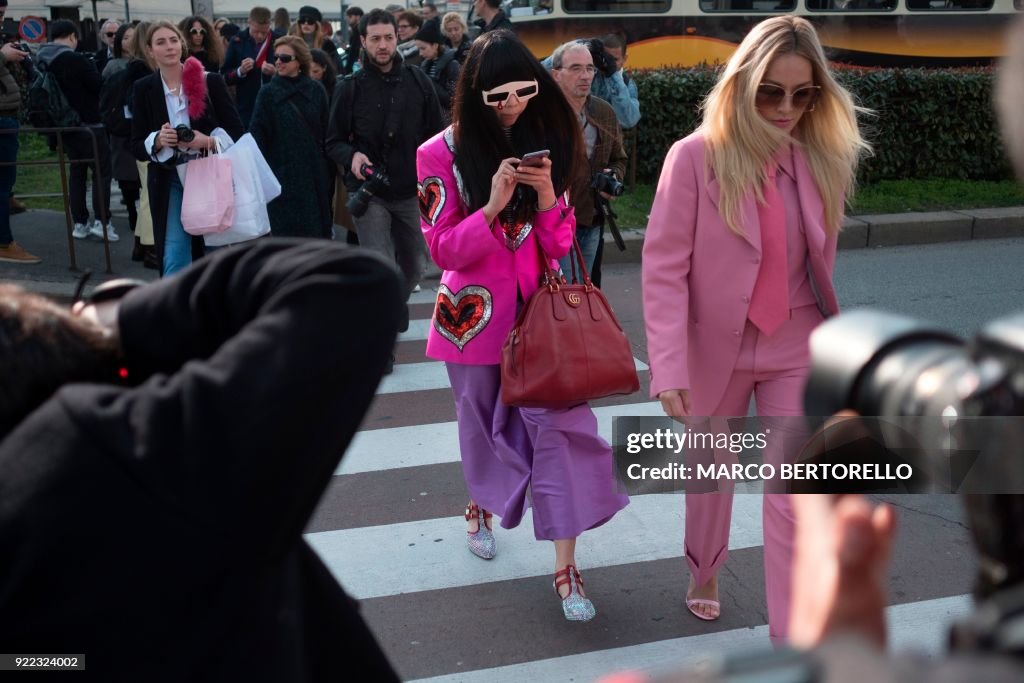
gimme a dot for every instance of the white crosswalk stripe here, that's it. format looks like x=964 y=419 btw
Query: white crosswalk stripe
x=918 y=626
x=426 y=555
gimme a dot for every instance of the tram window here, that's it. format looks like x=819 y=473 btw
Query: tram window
x=747 y=5
x=611 y=6
x=946 y=5
x=852 y=5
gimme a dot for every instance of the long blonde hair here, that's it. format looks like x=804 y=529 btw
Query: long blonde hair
x=740 y=142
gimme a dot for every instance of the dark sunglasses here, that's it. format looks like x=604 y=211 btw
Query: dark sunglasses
x=111 y=34
x=197 y=31
x=307 y=20
x=769 y=95
x=284 y=59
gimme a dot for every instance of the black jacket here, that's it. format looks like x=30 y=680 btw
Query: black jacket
x=158 y=527
x=247 y=87
x=78 y=79
x=149 y=113
x=360 y=116
x=444 y=75
x=498 y=21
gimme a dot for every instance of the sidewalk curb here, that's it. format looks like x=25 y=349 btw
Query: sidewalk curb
x=43 y=233
x=885 y=230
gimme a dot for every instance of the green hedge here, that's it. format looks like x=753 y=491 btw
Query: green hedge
x=929 y=123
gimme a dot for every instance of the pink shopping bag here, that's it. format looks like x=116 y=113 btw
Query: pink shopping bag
x=208 y=203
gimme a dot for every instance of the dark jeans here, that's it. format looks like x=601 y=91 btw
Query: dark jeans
x=8 y=152
x=79 y=146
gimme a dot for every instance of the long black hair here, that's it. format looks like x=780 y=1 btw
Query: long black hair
x=548 y=122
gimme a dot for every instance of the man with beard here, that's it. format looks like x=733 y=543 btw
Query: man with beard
x=379 y=117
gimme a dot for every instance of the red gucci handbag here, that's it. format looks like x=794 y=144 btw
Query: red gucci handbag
x=566 y=347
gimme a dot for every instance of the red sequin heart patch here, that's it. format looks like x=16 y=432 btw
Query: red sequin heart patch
x=515 y=234
x=432 y=196
x=461 y=316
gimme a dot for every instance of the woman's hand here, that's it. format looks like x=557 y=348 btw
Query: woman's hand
x=676 y=402
x=166 y=137
x=503 y=184
x=539 y=178
x=201 y=141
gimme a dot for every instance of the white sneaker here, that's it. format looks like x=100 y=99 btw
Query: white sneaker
x=80 y=231
x=97 y=231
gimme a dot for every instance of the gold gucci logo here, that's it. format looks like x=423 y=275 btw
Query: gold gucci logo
x=573 y=299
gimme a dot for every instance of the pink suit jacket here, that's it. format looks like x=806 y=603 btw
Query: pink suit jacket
x=698 y=276
x=483 y=265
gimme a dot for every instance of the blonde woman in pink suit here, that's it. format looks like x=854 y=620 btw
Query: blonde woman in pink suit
x=737 y=268
x=483 y=215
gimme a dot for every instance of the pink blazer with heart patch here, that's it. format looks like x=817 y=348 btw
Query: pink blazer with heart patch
x=483 y=265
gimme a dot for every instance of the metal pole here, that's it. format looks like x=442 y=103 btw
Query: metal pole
x=95 y=15
x=127 y=12
x=67 y=203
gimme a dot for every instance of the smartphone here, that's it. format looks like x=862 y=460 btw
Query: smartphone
x=534 y=158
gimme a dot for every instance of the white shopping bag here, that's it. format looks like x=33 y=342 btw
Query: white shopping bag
x=254 y=186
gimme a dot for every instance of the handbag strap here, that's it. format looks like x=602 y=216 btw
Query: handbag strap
x=551 y=277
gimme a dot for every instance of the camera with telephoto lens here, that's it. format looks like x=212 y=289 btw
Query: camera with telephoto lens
x=185 y=134
x=376 y=180
x=607 y=183
x=882 y=364
x=603 y=61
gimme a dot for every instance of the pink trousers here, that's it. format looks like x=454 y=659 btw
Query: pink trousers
x=773 y=370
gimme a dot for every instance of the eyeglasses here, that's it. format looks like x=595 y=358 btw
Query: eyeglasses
x=805 y=98
x=500 y=96
x=308 y=20
x=197 y=31
x=284 y=59
x=577 y=69
x=404 y=26
x=110 y=34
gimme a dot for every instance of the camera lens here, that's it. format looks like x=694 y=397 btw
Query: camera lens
x=185 y=134
x=883 y=364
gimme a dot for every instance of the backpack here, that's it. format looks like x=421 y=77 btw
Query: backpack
x=112 y=105
x=47 y=106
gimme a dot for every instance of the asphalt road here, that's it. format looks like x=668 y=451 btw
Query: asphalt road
x=390 y=525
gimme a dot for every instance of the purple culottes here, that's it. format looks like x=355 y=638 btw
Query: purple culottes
x=554 y=455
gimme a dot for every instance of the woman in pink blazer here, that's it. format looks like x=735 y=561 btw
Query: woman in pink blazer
x=484 y=216
x=737 y=268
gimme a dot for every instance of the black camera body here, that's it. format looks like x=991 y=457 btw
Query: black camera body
x=603 y=61
x=376 y=180
x=185 y=134
x=607 y=183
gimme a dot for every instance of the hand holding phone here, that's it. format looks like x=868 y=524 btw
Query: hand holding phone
x=535 y=158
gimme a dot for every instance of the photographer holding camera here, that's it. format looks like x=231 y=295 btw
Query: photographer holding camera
x=162 y=448
x=177 y=110
x=380 y=115
x=610 y=85
x=572 y=67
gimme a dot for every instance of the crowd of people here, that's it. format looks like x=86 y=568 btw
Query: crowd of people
x=283 y=79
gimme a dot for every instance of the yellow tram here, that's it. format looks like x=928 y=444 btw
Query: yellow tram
x=862 y=32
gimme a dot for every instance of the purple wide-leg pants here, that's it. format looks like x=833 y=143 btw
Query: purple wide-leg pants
x=553 y=455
